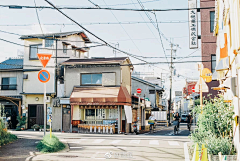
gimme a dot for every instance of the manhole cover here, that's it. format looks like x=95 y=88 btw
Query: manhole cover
x=67 y=156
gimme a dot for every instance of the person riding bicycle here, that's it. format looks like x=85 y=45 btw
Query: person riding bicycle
x=154 y=119
x=177 y=118
x=189 y=118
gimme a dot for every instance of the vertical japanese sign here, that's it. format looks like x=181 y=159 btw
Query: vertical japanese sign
x=193 y=24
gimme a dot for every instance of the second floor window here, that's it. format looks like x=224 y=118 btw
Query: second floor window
x=48 y=43
x=91 y=79
x=34 y=50
x=64 y=48
x=9 y=83
x=212 y=19
x=213 y=63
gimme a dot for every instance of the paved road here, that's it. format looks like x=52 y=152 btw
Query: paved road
x=95 y=147
x=160 y=146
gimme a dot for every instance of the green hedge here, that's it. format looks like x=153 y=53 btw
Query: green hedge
x=5 y=136
x=48 y=145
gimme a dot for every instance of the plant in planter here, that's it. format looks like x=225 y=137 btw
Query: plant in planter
x=36 y=127
x=215 y=127
x=21 y=123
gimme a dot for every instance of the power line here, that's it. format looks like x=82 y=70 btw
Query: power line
x=92 y=33
x=189 y=54
x=125 y=30
x=91 y=8
x=103 y=23
x=38 y=17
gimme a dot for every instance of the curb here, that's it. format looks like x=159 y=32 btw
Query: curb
x=186 y=154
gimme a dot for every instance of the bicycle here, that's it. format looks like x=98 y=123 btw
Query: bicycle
x=175 y=123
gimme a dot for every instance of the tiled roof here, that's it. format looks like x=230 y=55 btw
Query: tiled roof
x=146 y=82
x=115 y=60
x=11 y=64
x=56 y=35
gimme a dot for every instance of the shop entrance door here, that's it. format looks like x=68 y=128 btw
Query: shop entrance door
x=66 y=119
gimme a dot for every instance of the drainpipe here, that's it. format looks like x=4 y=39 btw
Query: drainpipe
x=56 y=69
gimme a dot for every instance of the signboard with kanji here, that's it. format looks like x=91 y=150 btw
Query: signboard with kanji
x=193 y=24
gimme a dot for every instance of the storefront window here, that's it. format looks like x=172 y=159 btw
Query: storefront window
x=90 y=114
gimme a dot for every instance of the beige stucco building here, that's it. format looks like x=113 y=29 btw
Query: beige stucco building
x=62 y=46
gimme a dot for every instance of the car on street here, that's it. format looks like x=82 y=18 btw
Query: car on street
x=184 y=118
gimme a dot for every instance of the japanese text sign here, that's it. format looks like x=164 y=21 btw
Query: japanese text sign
x=193 y=24
x=44 y=58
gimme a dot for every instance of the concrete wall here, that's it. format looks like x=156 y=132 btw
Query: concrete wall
x=19 y=76
x=73 y=76
x=126 y=77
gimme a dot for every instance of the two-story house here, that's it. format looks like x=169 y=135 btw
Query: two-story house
x=96 y=91
x=62 y=46
x=11 y=79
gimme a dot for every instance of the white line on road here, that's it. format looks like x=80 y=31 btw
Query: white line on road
x=186 y=152
x=75 y=147
x=154 y=142
x=108 y=147
x=134 y=141
x=98 y=140
x=173 y=143
x=115 y=141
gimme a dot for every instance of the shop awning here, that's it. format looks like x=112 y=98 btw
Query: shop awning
x=100 y=96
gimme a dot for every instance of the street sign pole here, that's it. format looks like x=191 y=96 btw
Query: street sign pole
x=44 y=77
x=45 y=109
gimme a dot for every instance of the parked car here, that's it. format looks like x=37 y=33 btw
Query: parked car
x=184 y=118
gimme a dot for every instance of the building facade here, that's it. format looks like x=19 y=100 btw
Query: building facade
x=98 y=91
x=62 y=46
x=208 y=42
x=227 y=31
x=11 y=80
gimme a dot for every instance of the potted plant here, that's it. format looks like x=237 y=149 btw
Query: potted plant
x=21 y=123
x=215 y=128
x=35 y=127
x=41 y=127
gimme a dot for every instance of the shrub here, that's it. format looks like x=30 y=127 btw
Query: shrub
x=214 y=126
x=5 y=136
x=21 y=122
x=36 y=126
x=48 y=145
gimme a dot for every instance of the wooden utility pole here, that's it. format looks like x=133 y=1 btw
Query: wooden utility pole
x=170 y=99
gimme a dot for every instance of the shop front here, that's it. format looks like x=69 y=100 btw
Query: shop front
x=97 y=109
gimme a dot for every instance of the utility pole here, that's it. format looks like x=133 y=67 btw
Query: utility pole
x=170 y=99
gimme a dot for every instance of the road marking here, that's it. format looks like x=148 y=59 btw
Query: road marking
x=154 y=142
x=186 y=152
x=108 y=147
x=115 y=141
x=98 y=140
x=36 y=142
x=134 y=142
x=173 y=143
x=75 y=147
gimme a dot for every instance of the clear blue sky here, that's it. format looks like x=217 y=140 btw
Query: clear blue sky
x=138 y=39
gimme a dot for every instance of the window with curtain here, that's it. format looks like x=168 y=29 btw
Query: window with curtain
x=34 y=50
x=91 y=79
x=9 y=83
x=212 y=19
x=213 y=62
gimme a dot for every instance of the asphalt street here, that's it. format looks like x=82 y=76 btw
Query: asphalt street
x=161 y=146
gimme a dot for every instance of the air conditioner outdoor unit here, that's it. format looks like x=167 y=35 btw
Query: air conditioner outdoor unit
x=48 y=99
